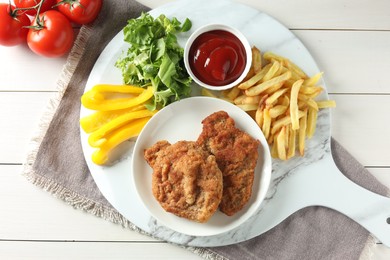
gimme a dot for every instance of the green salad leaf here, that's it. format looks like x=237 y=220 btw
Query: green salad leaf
x=155 y=58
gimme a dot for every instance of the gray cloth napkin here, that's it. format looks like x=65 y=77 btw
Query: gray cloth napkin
x=56 y=164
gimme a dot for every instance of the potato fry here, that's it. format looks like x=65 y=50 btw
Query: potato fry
x=302 y=134
x=308 y=90
x=326 y=103
x=274 y=97
x=272 y=56
x=294 y=104
x=308 y=101
x=233 y=93
x=281 y=138
x=256 y=59
x=238 y=100
x=256 y=90
x=291 y=144
x=259 y=116
x=272 y=71
x=311 y=122
x=256 y=78
x=274 y=88
x=284 y=101
x=287 y=136
x=296 y=70
x=278 y=124
x=252 y=100
x=266 y=123
x=274 y=148
x=313 y=80
x=248 y=107
x=277 y=110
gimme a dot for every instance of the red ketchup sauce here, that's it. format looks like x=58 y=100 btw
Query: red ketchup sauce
x=217 y=57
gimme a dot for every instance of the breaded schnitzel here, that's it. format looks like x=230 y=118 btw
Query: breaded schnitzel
x=236 y=153
x=186 y=179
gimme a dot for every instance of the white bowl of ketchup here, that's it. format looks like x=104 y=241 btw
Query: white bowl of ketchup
x=217 y=56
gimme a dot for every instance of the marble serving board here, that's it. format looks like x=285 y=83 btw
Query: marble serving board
x=300 y=182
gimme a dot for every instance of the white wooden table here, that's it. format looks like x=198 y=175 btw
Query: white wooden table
x=349 y=39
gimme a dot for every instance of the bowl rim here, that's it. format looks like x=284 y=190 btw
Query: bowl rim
x=224 y=27
x=262 y=173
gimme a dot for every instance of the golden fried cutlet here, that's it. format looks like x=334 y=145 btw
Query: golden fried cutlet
x=236 y=153
x=186 y=179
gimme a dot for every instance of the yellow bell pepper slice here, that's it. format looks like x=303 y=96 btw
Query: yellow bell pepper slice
x=94 y=121
x=125 y=89
x=95 y=100
x=101 y=155
x=97 y=138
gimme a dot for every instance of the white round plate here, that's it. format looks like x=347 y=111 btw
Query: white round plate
x=182 y=121
x=115 y=182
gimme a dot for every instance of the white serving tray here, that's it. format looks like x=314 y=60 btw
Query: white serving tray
x=298 y=183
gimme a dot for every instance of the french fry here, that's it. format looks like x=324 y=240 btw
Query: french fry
x=256 y=59
x=252 y=100
x=285 y=101
x=278 y=124
x=296 y=70
x=266 y=123
x=308 y=90
x=233 y=93
x=274 y=88
x=274 y=148
x=256 y=78
x=294 y=104
x=272 y=71
x=281 y=144
x=313 y=80
x=277 y=110
x=272 y=56
x=302 y=134
x=291 y=144
x=326 y=103
x=274 y=97
x=256 y=90
x=259 y=116
x=308 y=101
x=287 y=136
x=248 y=107
x=238 y=100
x=311 y=122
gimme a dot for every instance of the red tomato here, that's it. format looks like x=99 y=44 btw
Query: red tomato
x=46 y=5
x=12 y=31
x=80 y=11
x=54 y=38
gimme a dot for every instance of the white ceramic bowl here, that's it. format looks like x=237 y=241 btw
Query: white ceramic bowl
x=180 y=121
x=212 y=27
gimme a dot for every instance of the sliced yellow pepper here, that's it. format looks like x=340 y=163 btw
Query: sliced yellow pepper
x=125 y=89
x=96 y=120
x=101 y=155
x=97 y=138
x=93 y=99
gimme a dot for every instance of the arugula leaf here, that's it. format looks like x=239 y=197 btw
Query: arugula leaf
x=155 y=58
